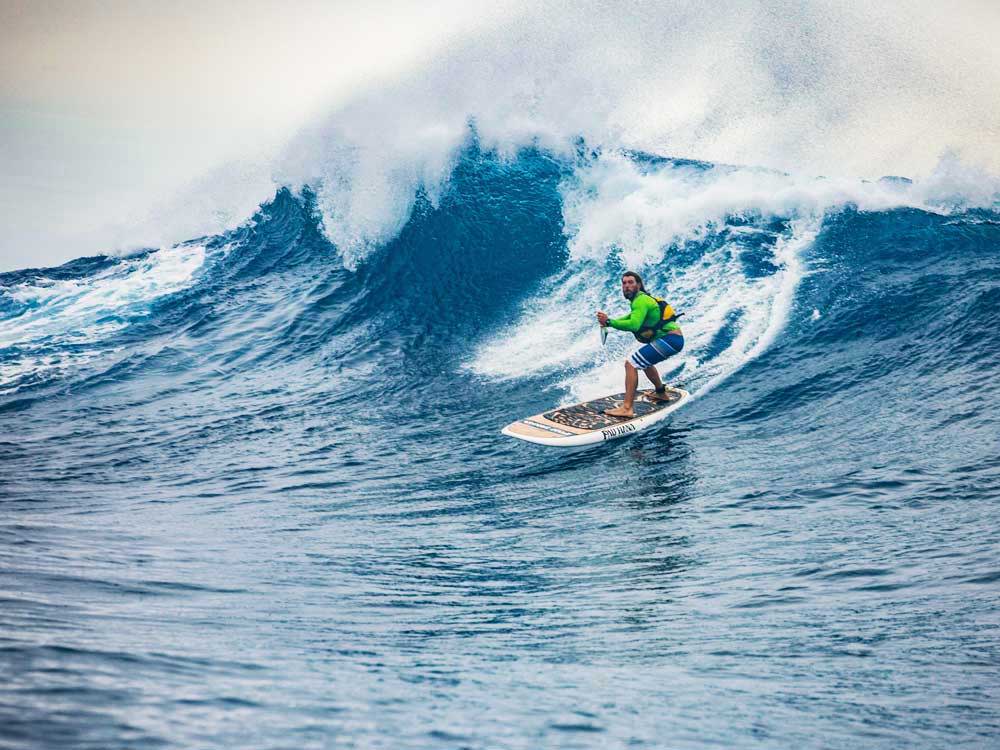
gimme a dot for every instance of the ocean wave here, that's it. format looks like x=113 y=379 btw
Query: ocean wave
x=53 y=324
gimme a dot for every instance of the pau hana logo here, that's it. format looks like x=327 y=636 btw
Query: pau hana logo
x=622 y=429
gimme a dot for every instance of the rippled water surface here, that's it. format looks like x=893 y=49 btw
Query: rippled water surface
x=254 y=498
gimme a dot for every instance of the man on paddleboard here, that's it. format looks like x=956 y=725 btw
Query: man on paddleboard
x=653 y=323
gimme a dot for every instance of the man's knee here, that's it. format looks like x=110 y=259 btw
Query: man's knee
x=629 y=367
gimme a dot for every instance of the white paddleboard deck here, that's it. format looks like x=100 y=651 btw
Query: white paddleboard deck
x=586 y=423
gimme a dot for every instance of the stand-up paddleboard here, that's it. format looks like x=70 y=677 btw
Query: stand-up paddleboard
x=586 y=423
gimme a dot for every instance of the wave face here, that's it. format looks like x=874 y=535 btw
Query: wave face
x=254 y=486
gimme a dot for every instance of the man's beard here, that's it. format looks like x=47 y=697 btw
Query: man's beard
x=630 y=295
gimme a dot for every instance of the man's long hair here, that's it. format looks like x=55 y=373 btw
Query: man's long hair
x=638 y=280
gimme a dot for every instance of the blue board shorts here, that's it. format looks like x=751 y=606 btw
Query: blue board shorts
x=656 y=351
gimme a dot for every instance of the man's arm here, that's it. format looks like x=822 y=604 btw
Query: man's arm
x=633 y=321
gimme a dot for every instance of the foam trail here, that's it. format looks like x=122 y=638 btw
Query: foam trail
x=775 y=298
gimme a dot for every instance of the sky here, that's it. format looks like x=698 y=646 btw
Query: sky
x=132 y=123
x=107 y=107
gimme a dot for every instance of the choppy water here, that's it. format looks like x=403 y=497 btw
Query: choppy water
x=255 y=496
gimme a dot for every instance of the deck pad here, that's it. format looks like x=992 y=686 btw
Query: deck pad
x=590 y=415
x=586 y=422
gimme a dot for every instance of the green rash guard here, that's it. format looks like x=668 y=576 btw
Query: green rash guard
x=645 y=311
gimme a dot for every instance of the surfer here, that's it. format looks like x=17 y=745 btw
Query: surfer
x=653 y=323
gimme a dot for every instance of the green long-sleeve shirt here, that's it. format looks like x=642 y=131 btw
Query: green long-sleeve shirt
x=645 y=312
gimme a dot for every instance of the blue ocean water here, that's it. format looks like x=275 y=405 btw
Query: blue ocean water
x=254 y=492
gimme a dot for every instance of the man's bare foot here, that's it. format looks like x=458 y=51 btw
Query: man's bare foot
x=619 y=411
x=654 y=396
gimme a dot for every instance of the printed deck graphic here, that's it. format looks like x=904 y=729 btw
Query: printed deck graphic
x=590 y=415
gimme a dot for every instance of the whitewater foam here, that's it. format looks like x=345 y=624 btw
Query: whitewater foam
x=809 y=90
x=74 y=316
x=691 y=231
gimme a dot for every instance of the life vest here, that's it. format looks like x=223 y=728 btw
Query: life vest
x=667 y=315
